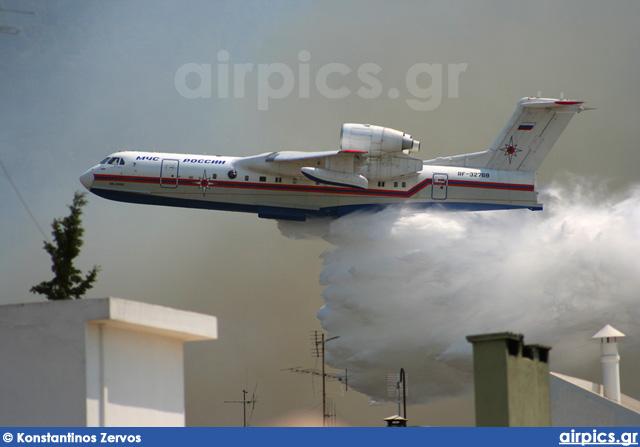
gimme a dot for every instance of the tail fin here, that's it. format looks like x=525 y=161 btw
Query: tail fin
x=526 y=139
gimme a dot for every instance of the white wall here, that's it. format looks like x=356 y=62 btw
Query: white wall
x=42 y=371
x=103 y=362
x=576 y=403
x=133 y=378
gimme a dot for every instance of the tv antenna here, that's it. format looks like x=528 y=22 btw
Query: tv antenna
x=245 y=402
x=318 y=341
x=12 y=29
x=397 y=386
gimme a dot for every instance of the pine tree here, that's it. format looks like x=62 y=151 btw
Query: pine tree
x=67 y=233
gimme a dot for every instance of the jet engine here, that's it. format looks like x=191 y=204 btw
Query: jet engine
x=376 y=140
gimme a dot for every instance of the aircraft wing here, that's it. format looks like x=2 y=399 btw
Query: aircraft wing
x=337 y=168
x=286 y=160
x=367 y=152
x=293 y=156
x=526 y=139
x=346 y=167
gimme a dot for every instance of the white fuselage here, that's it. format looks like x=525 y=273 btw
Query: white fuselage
x=234 y=184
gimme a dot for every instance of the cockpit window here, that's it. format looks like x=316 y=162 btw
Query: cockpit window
x=105 y=160
x=115 y=161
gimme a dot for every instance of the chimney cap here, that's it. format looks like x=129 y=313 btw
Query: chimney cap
x=495 y=336
x=608 y=332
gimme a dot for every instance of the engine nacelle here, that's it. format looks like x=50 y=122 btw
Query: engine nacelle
x=375 y=139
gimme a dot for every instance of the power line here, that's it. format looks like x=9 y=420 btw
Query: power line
x=302 y=415
x=12 y=29
x=15 y=188
x=16 y=10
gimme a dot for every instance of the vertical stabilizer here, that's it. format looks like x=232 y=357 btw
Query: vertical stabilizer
x=526 y=139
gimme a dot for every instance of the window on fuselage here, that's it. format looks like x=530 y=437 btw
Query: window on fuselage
x=114 y=161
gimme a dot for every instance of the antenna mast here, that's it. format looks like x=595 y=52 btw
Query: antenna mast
x=318 y=340
x=244 y=403
x=397 y=385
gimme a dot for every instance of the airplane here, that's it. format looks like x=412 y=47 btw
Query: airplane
x=371 y=170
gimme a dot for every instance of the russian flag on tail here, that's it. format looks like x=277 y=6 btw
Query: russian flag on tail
x=526 y=126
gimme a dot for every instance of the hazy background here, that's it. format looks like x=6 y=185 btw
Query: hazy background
x=85 y=79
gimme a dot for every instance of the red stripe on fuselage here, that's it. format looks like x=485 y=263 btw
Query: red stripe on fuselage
x=313 y=188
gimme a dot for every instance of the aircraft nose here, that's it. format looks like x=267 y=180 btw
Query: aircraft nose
x=87 y=179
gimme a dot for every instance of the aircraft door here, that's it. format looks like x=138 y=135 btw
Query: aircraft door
x=439 y=186
x=169 y=173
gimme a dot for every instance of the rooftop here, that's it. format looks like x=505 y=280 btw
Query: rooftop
x=627 y=402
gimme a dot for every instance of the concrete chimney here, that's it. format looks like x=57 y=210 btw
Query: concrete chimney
x=511 y=381
x=610 y=361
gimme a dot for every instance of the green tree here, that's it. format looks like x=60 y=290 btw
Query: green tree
x=67 y=233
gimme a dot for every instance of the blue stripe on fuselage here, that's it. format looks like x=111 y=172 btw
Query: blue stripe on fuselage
x=290 y=213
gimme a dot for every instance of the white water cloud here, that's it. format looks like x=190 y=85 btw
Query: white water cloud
x=404 y=288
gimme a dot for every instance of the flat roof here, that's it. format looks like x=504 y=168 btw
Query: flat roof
x=118 y=312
